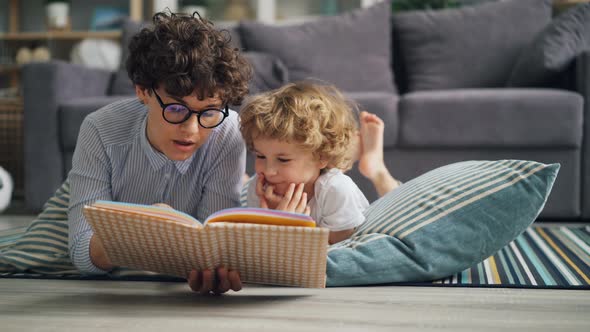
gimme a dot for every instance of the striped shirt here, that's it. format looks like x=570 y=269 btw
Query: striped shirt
x=113 y=160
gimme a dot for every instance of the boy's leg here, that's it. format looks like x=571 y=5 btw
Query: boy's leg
x=371 y=163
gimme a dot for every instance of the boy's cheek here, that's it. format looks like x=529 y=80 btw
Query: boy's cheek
x=258 y=167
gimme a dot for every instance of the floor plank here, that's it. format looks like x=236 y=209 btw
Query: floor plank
x=49 y=305
x=13 y=221
x=44 y=305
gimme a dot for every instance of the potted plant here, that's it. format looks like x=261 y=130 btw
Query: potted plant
x=402 y=5
x=58 y=14
x=191 y=6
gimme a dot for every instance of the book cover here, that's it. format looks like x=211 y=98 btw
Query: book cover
x=265 y=246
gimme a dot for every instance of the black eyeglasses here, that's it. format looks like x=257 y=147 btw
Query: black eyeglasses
x=176 y=113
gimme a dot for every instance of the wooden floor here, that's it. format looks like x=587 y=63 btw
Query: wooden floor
x=45 y=305
x=58 y=305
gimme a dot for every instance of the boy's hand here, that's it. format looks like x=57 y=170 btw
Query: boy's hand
x=207 y=282
x=266 y=195
x=295 y=200
x=163 y=205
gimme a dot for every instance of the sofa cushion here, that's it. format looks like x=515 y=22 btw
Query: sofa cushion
x=491 y=118
x=384 y=105
x=269 y=72
x=442 y=222
x=72 y=113
x=351 y=51
x=122 y=84
x=554 y=48
x=469 y=47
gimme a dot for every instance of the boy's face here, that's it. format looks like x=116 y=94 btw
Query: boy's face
x=283 y=163
x=175 y=141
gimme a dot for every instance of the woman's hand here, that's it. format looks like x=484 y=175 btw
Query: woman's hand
x=163 y=205
x=207 y=282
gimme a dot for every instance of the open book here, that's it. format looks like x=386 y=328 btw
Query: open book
x=265 y=246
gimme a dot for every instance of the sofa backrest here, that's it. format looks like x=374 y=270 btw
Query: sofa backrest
x=473 y=46
x=469 y=47
x=351 y=51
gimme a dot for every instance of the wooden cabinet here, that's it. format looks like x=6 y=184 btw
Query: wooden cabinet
x=11 y=104
x=58 y=42
x=11 y=141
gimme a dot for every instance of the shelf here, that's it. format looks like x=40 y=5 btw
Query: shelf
x=560 y=6
x=62 y=35
x=568 y=2
x=10 y=102
x=9 y=68
x=279 y=11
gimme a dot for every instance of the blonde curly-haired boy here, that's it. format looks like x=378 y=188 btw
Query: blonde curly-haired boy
x=304 y=136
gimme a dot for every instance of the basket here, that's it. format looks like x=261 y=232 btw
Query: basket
x=11 y=141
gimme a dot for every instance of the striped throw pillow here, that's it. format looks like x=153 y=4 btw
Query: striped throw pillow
x=442 y=222
x=43 y=248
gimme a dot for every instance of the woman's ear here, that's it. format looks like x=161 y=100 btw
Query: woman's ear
x=142 y=94
x=323 y=162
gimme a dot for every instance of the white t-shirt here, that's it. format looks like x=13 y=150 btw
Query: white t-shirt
x=338 y=204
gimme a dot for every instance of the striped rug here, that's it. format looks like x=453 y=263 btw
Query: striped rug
x=542 y=257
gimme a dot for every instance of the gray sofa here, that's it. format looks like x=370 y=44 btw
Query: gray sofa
x=448 y=95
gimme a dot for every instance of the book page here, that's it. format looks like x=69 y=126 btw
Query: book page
x=149 y=210
x=261 y=216
x=267 y=254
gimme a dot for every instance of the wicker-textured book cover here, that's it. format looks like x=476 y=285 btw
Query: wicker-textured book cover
x=262 y=253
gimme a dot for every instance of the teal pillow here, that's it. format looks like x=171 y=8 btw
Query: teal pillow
x=442 y=222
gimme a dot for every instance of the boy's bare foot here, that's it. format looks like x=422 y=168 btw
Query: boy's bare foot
x=371 y=145
x=371 y=163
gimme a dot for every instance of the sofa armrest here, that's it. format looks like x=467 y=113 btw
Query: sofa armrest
x=582 y=63
x=45 y=87
x=582 y=68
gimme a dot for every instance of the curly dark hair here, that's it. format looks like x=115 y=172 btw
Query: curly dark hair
x=185 y=53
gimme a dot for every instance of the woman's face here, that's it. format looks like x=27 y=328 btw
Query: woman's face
x=175 y=141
